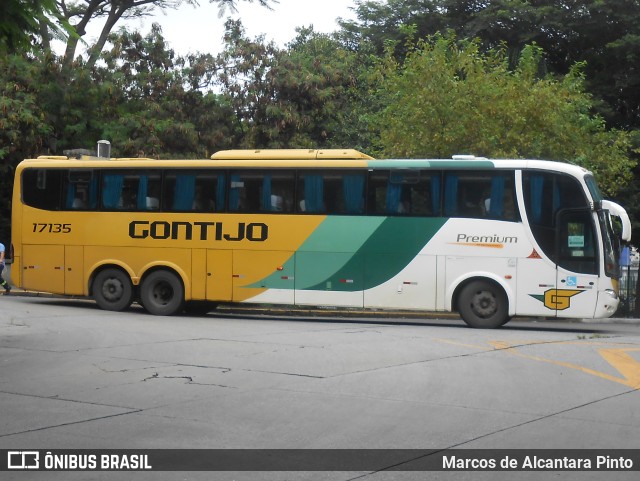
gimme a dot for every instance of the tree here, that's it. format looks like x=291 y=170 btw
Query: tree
x=80 y=13
x=450 y=98
x=23 y=126
x=603 y=33
x=297 y=97
x=23 y=20
x=153 y=104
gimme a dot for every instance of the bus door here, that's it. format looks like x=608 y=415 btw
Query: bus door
x=74 y=270
x=577 y=264
x=219 y=274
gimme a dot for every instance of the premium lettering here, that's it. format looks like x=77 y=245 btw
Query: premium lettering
x=487 y=239
x=219 y=231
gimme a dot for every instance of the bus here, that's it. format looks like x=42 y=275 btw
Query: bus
x=490 y=239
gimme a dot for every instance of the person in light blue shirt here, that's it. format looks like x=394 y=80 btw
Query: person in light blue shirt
x=3 y=283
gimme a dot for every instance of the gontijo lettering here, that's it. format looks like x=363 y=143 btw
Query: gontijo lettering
x=219 y=231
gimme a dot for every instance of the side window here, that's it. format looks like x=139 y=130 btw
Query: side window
x=330 y=192
x=261 y=191
x=80 y=191
x=545 y=195
x=403 y=192
x=197 y=191
x=482 y=195
x=130 y=190
x=42 y=188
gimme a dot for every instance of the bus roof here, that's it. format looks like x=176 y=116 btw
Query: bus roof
x=306 y=158
x=290 y=154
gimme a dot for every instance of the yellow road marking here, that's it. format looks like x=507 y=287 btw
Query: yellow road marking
x=624 y=363
x=618 y=358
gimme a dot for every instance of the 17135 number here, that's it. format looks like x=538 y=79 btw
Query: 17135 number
x=52 y=228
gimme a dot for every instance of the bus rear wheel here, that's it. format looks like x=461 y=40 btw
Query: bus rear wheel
x=112 y=290
x=483 y=305
x=162 y=293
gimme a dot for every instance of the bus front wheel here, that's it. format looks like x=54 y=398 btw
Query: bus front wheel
x=483 y=305
x=162 y=293
x=112 y=290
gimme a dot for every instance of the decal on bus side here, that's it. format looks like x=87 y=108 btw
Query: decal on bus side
x=253 y=232
x=494 y=241
x=557 y=299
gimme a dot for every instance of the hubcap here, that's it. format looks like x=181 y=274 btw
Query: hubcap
x=112 y=289
x=162 y=293
x=484 y=304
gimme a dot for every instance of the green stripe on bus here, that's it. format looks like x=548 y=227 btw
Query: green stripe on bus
x=337 y=235
x=431 y=164
x=352 y=254
x=384 y=254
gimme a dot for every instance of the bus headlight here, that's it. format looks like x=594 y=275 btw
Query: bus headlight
x=612 y=293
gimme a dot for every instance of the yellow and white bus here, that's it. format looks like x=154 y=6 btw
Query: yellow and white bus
x=491 y=239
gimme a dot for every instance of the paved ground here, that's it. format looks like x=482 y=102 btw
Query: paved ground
x=74 y=377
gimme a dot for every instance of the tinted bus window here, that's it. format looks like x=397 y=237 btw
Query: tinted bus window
x=42 y=188
x=546 y=194
x=408 y=192
x=482 y=195
x=130 y=190
x=197 y=191
x=330 y=192
x=261 y=191
x=80 y=190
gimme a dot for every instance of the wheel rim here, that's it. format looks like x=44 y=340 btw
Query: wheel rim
x=112 y=289
x=162 y=293
x=484 y=304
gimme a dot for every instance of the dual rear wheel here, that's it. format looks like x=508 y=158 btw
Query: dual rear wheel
x=161 y=291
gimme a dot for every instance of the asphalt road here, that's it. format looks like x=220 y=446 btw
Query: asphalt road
x=75 y=377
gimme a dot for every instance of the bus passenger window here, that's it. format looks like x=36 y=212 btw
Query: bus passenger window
x=311 y=193
x=278 y=189
x=331 y=192
x=401 y=193
x=194 y=191
x=209 y=193
x=261 y=191
x=130 y=190
x=41 y=188
x=80 y=190
x=481 y=195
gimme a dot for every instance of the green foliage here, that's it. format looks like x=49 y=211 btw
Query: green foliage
x=299 y=97
x=451 y=98
x=605 y=34
x=22 y=20
x=150 y=106
x=23 y=127
x=368 y=86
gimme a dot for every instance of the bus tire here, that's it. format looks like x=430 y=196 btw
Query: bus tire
x=112 y=289
x=483 y=305
x=162 y=293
